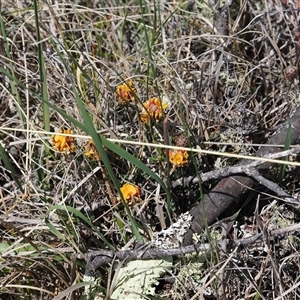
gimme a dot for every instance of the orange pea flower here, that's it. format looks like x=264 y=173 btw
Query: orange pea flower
x=178 y=158
x=131 y=193
x=63 y=143
x=91 y=151
x=125 y=92
x=154 y=108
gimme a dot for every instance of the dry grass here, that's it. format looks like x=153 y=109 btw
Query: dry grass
x=226 y=93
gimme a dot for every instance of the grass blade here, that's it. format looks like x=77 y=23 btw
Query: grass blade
x=81 y=216
x=42 y=69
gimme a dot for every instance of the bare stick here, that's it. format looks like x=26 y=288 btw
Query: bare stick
x=96 y=259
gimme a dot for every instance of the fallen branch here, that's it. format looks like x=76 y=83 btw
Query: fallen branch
x=96 y=259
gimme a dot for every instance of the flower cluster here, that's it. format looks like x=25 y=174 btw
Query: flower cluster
x=178 y=158
x=130 y=193
x=154 y=108
x=91 y=151
x=63 y=143
x=126 y=92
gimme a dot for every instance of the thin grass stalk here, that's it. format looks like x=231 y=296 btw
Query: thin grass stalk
x=91 y=131
x=78 y=214
x=153 y=72
x=12 y=78
x=42 y=70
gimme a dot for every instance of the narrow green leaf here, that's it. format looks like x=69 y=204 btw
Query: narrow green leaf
x=99 y=146
x=78 y=214
x=42 y=69
x=12 y=79
x=54 y=230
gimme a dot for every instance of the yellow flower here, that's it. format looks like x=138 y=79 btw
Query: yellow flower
x=63 y=143
x=153 y=108
x=145 y=118
x=178 y=158
x=126 y=92
x=91 y=151
x=131 y=193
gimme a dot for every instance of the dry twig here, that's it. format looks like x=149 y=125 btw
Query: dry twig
x=96 y=259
